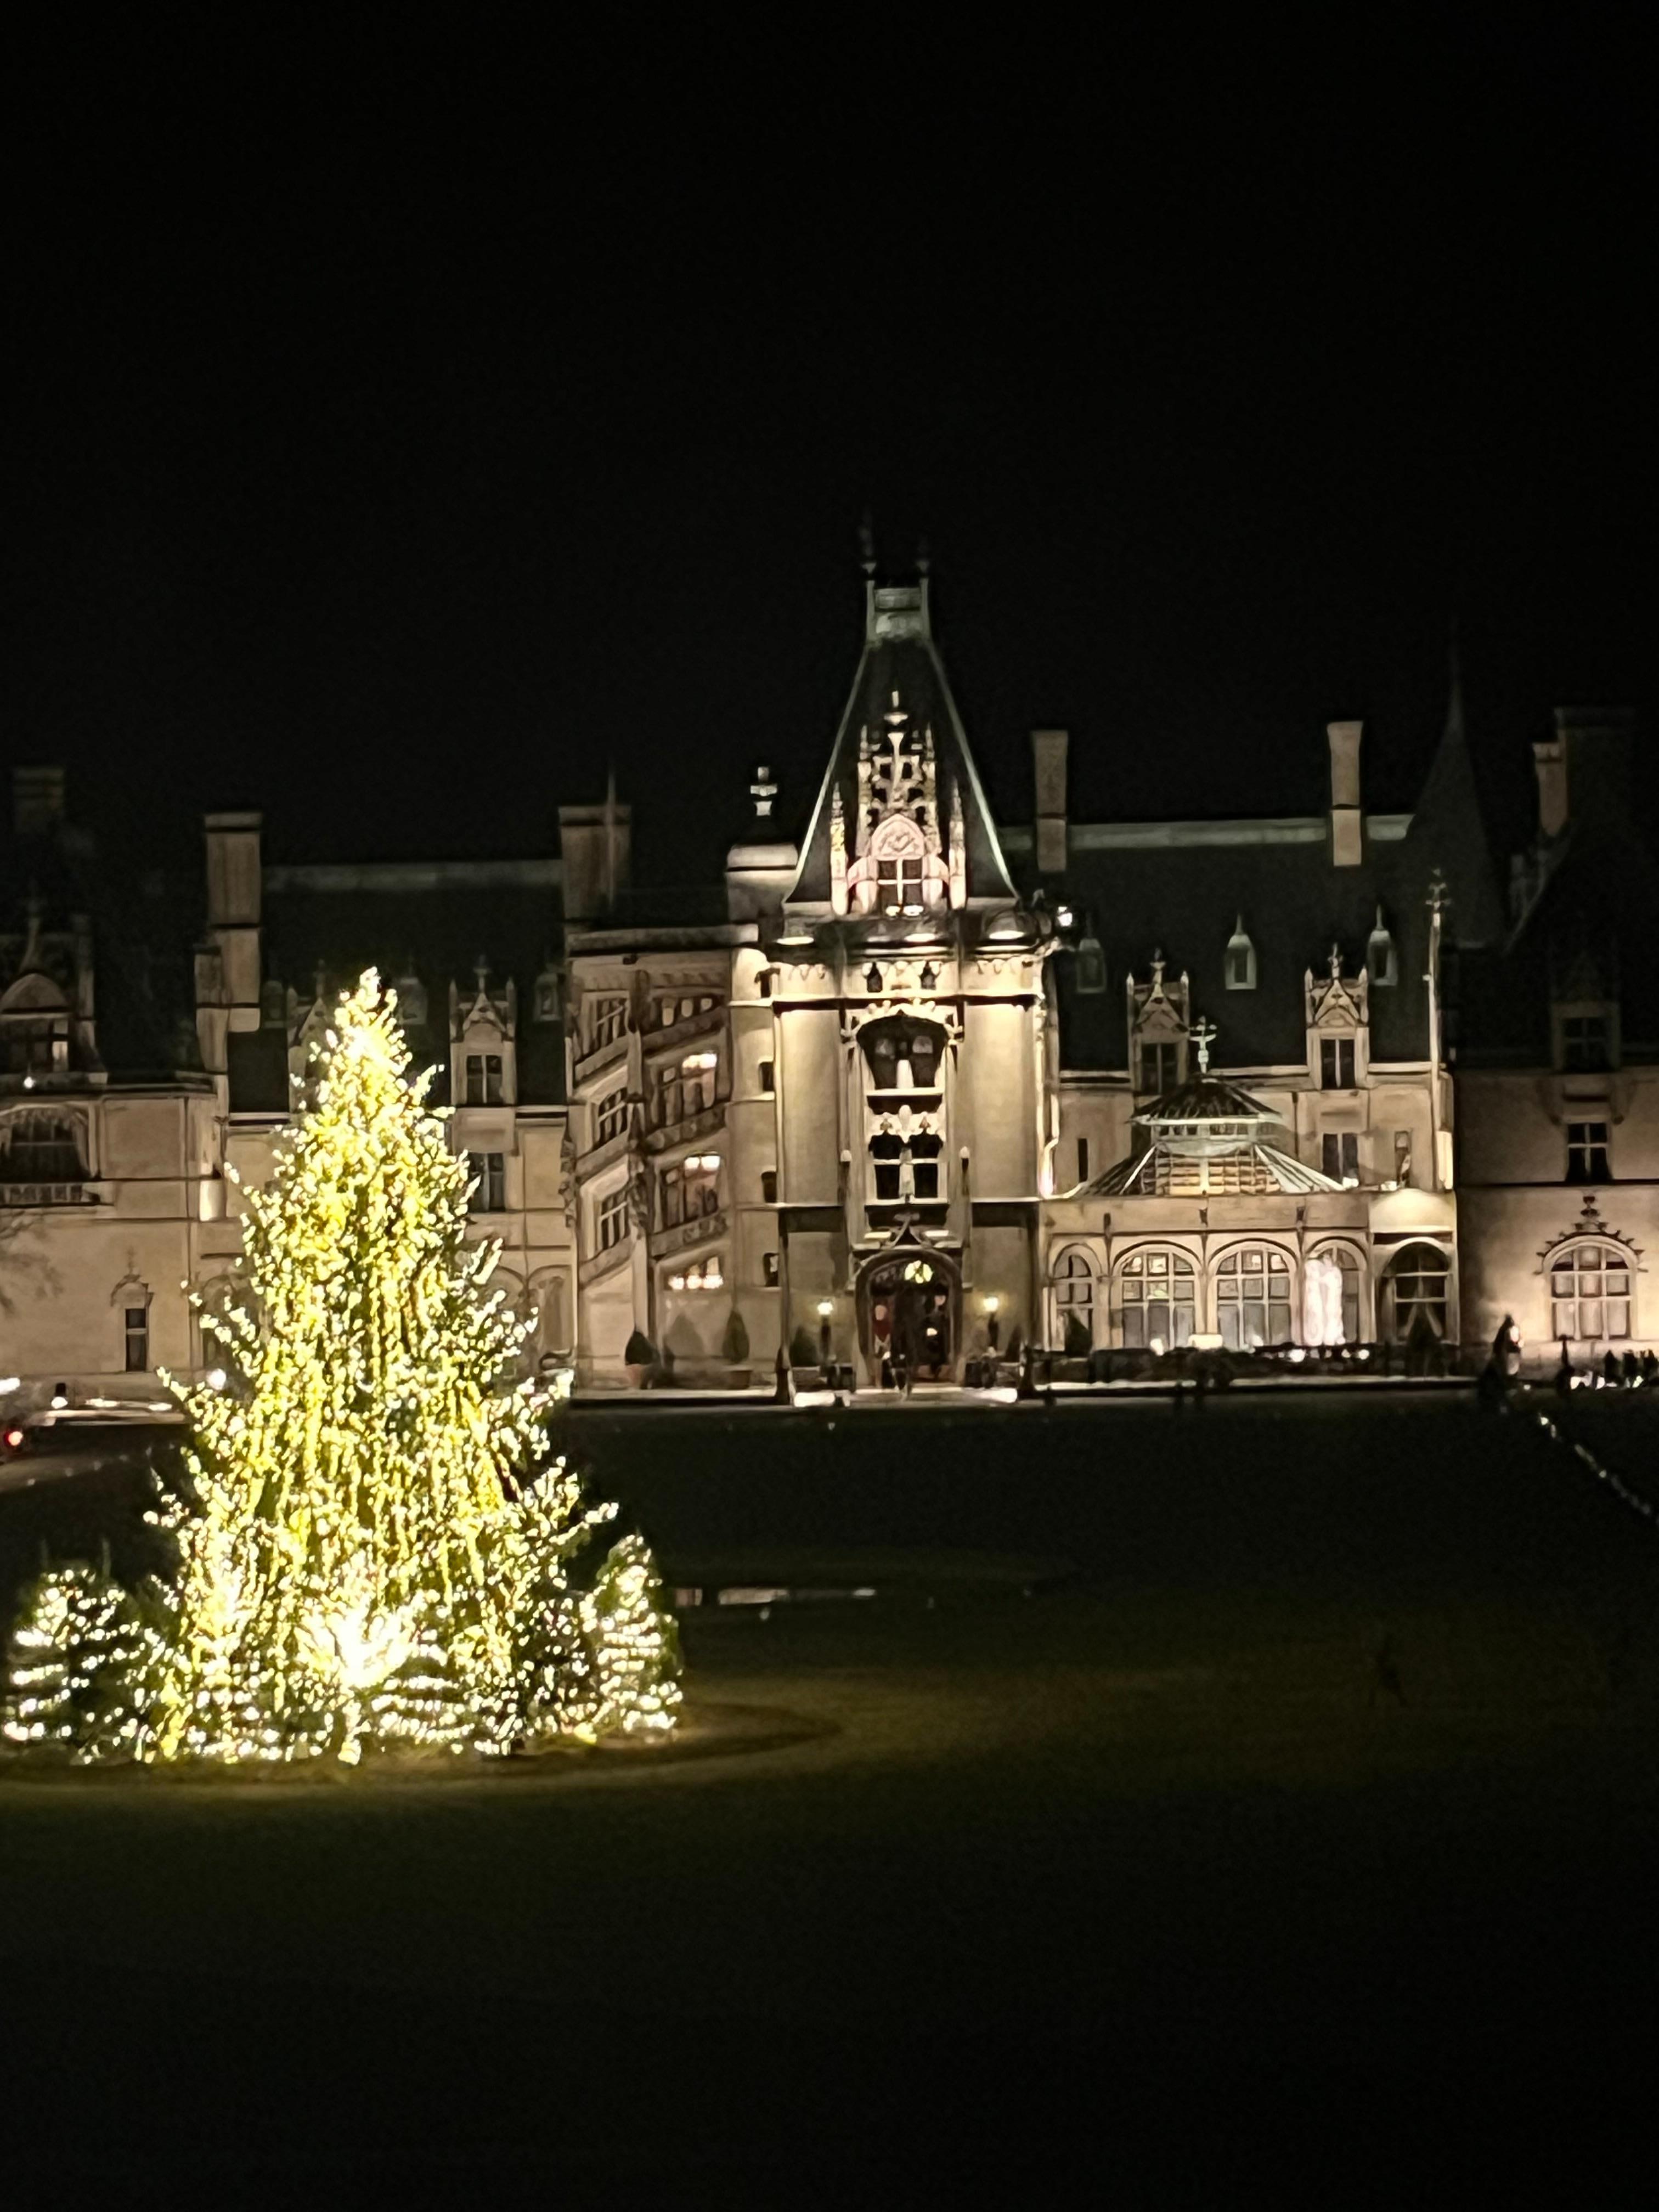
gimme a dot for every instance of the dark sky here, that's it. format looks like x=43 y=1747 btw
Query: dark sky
x=395 y=446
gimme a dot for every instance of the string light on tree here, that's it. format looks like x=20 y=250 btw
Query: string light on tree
x=364 y=1566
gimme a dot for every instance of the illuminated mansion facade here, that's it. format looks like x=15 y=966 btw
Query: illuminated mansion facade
x=910 y=1089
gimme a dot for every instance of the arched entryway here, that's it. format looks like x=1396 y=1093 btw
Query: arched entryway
x=1416 y=1294
x=910 y=1308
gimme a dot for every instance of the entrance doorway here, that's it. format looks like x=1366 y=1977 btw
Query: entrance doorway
x=910 y=1308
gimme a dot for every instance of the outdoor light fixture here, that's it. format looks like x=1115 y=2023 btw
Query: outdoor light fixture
x=826 y=1307
x=8 y=1383
x=1063 y=917
x=59 y=1399
x=992 y=1305
x=216 y=1378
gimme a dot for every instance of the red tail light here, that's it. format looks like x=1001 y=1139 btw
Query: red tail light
x=14 y=1437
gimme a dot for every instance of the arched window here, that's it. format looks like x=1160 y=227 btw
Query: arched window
x=1590 y=1293
x=1073 y=1282
x=1330 y=1295
x=1253 y=1297
x=1157 y=1295
x=1417 y=1282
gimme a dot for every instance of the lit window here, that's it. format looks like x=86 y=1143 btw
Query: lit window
x=1340 y=1151
x=136 y=1335
x=1336 y=1063
x=1253 y=1297
x=1339 y=1257
x=1157 y=1300
x=1587 y=1153
x=1590 y=1294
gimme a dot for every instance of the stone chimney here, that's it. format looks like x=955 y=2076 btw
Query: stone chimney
x=1049 y=751
x=235 y=892
x=37 y=800
x=1583 y=767
x=1347 y=827
x=595 y=842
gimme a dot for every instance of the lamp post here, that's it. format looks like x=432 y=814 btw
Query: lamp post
x=826 y=1308
x=993 y=1326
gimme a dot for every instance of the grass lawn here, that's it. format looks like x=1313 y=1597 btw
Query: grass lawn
x=1309 y=1801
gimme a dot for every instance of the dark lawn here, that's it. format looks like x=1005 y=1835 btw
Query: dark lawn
x=1309 y=1821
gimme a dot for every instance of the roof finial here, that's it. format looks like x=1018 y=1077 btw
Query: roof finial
x=1203 y=1035
x=924 y=556
x=1454 y=696
x=1336 y=962
x=763 y=790
x=867 y=543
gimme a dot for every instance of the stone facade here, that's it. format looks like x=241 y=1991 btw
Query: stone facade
x=914 y=1084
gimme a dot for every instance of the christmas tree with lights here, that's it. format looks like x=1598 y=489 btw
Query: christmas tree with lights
x=364 y=1564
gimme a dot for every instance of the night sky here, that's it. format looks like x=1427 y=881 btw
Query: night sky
x=393 y=447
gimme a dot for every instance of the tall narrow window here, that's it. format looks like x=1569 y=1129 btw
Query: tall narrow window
x=611 y=1221
x=1083 y=1159
x=137 y=1339
x=1159 y=1061
x=769 y=1186
x=1587 y=1153
x=1336 y=1063
x=483 y=1078
x=490 y=1170
x=1341 y=1155
x=769 y=1269
x=767 y=1081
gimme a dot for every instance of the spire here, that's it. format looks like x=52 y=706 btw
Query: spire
x=1448 y=829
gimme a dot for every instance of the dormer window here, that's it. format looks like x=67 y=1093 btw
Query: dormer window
x=547 y=995
x=1336 y=1063
x=1382 y=963
x=411 y=1001
x=1090 y=970
x=1586 y=1042
x=1240 y=960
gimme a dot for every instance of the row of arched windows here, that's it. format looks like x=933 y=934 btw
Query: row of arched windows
x=1153 y=1300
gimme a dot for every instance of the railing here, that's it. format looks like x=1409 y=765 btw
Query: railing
x=48 y=1194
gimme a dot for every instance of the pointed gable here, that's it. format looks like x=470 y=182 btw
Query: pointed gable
x=900 y=788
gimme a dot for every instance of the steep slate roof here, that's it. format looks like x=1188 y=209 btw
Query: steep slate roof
x=1185 y=897
x=1598 y=914
x=900 y=656
x=437 y=920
